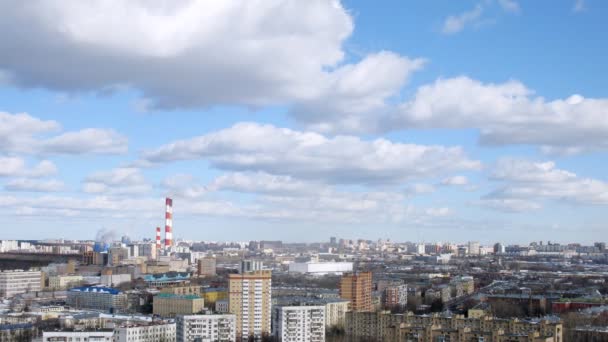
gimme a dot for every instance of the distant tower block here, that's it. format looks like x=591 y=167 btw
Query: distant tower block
x=158 y=246
x=168 y=222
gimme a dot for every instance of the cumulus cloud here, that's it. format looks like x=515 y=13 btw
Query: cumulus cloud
x=117 y=181
x=195 y=54
x=17 y=167
x=34 y=185
x=527 y=183
x=183 y=185
x=508 y=113
x=308 y=155
x=23 y=133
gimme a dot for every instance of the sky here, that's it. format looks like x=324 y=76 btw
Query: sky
x=299 y=120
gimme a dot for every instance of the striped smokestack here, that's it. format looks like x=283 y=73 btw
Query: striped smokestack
x=158 y=246
x=168 y=222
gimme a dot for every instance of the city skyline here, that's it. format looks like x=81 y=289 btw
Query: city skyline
x=464 y=121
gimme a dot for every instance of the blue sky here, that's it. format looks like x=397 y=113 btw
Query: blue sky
x=424 y=121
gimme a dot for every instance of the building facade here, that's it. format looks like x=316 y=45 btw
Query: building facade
x=357 y=289
x=299 y=323
x=98 y=298
x=249 y=299
x=206 y=328
x=101 y=335
x=169 y=304
x=206 y=267
x=154 y=332
x=14 y=282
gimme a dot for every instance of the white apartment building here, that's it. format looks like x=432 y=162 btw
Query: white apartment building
x=206 y=328
x=145 y=332
x=335 y=313
x=102 y=335
x=299 y=323
x=19 y=281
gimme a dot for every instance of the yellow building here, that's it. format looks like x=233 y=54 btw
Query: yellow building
x=214 y=294
x=184 y=290
x=63 y=282
x=170 y=305
x=250 y=300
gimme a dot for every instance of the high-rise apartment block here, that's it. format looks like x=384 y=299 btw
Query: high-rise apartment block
x=299 y=323
x=249 y=299
x=206 y=328
x=357 y=289
x=251 y=266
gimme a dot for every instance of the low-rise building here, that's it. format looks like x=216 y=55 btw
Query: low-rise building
x=62 y=282
x=98 y=298
x=101 y=335
x=14 y=282
x=169 y=304
x=206 y=328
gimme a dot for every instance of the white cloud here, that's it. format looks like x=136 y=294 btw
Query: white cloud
x=90 y=140
x=526 y=183
x=456 y=23
x=183 y=185
x=23 y=133
x=189 y=53
x=508 y=113
x=261 y=182
x=579 y=6
x=311 y=156
x=34 y=185
x=419 y=189
x=117 y=181
x=17 y=167
x=455 y=181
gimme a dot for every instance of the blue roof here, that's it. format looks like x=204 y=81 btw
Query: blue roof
x=165 y=277
x=95 y=289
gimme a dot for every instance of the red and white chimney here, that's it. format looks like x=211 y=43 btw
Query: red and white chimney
x=168 y=222
x=158 y=246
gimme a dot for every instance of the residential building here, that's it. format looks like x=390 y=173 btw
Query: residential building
x=13 y=282
x=250 y=300
x=100 y=335
x=206 y=328
x=98 y=298
x=206 y=267
x=183 y=290
x=143 y=332
x=384 y=326
x=299 y=323
x=357 y=289
x=251 y=266
x=169 y=304
x=395 y=296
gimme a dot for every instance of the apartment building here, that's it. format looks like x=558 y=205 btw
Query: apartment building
x=153 y=332
x=299 y=323
x=357 y=289
x=14 y=282
x=249 y=299
x=100 y=335
x=98 y=298
x=384 y=326
x=206 y=267
x=206 y=328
